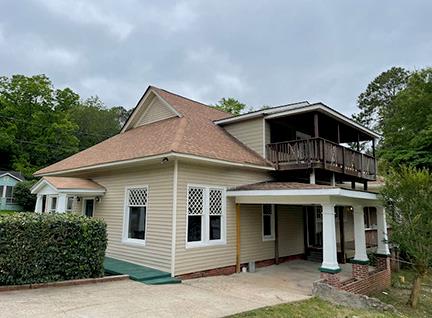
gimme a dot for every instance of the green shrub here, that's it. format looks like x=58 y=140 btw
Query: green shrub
x=23 y=196
x=37 y=248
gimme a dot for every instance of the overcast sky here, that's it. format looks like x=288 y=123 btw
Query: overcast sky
x=260 y=52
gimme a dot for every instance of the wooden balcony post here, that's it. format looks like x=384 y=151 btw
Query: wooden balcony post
x=277 y=156
x=316 y=128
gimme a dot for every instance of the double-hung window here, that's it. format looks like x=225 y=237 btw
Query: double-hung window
x=135 y=214
x=69 y=204
x=205 y=216
x=268 y=222
x=9 y=194
x=53 y=204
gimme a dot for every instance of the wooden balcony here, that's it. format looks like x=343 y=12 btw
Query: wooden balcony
x=322 y=154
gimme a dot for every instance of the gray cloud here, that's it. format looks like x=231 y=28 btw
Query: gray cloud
x=261 y=52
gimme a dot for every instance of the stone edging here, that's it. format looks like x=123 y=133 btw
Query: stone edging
x=64 y=283
x=344 y=298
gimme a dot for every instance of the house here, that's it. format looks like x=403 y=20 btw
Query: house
x=192 y=190
x=8 y=181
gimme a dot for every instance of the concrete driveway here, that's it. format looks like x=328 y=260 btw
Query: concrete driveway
x=203 y=297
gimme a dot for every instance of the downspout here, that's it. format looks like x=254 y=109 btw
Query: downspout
x=174 y=218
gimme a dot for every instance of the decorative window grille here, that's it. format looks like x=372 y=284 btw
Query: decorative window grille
x=268 y=222
x=136 y=213
x=215 y=214
x=138 y=197
x=205 y=215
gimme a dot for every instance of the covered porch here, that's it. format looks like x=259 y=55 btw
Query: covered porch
x=335 y=204
x=67 y=194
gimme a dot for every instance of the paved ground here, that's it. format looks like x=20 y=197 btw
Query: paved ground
x=204 y=297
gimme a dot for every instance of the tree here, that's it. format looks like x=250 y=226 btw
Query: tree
x=96 y=122
x=230 y=105
x=40 y=125
x=29 y=124
x=407 y=128
x=23 y=196
x=378 y=98
x=408 y=197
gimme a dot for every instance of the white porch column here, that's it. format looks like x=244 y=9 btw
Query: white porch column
x=61 y=203
x=330 y=263
x=383 y=248
x=360 y=254
x=38 y=207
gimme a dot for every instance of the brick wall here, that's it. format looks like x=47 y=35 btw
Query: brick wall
x=375 y=282
x=363 y=282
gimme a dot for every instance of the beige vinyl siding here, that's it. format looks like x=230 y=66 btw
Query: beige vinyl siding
x=195 y=259
x=291 y=230
x=290 y=226
x=267 y=136
x=159 y=179
x=157 y=110
x=252 y=246
x=249 y=132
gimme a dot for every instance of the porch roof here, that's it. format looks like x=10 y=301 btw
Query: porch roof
x=300 y=193
x=69 y=185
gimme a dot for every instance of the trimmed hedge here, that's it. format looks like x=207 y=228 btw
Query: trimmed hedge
x=38 y=248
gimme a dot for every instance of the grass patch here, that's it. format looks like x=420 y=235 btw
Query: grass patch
x=399 y=293
x=313 y=307
x=7 y=212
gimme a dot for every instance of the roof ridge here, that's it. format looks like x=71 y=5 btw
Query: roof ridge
x=190 y=99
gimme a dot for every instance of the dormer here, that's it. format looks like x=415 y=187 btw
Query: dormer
x=151 y=108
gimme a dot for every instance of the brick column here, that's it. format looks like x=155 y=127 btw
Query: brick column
x=360 y=271
x=383 y=262
x=331 y=279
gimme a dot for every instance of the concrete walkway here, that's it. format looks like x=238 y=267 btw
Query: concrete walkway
x=203 y=297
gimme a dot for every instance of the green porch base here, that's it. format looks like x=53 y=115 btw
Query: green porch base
x=360 y=262
x=329 y=270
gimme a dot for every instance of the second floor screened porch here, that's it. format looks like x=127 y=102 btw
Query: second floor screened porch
x=317 y=140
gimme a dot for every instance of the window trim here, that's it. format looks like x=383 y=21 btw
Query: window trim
x=272 y=226
x=73 y=201
x=11 y=199
x=50 y=209
x=125 y=239
x=83 y=207
x=205 y=226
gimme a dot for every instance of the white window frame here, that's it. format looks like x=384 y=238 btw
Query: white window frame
x=125 y=238
x=270 y=237
x=73 y=200
x=83 y=207
x=205 y=219
x=50 y=209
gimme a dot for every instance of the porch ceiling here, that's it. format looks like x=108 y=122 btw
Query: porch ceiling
x=300 y=193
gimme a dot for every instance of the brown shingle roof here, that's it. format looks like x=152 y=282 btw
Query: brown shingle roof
x=274 y=185
x=193 y=133
x=73 y=183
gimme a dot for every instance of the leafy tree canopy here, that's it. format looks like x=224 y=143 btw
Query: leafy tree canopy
x=230 y=105
x=407 y=128
x=378 y=98
x=40 y=125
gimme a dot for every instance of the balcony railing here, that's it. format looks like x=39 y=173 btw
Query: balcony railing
x=321 y=153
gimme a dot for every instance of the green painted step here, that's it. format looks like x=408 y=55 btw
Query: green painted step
x=163 y=281
x=139 y=273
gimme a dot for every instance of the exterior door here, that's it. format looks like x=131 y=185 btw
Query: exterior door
x=88 y=207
